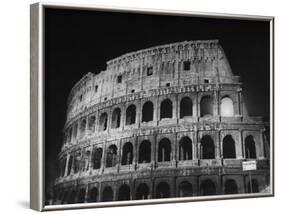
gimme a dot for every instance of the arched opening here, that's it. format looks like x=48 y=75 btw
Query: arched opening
x=163 y=190
x=164 y=150
x=62 y=166
x=206 y=106
x=82 y=127
x=250 y=147
x=81 y=196
x=253 y=186
x=127 y=154
x=111 y=156
x=185 y=107
x=103 y=122
x=142 y=192
x=185 y=189
x=229 y=147
x=76 y=164
x=107 y=194
x=75 y=129
x=92 y=123
x=116 y=118
x=226 y=107
x=147 y=111
x=71 y=198
x=124 y=193
x=93 y=195
x=166 y=109
x=145 y=152
x=70 y=162
x=207 y=148
x=185 y=149
x=131 y=115
x=96 y=158
x=230 y=187
x=69 y=136
x=208 y=187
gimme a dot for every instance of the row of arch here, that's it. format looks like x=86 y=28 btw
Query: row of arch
x=163 y=190
x=166 y=111
x=164 y=152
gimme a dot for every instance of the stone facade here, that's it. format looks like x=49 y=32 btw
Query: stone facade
x=167 y=121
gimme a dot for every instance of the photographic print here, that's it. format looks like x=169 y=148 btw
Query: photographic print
x=145 y=107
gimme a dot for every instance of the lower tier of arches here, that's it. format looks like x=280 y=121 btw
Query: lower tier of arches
x=159 y=186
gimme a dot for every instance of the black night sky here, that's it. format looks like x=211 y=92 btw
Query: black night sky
x=78 y=42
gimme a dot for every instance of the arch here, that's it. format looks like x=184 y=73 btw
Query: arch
x=166 y=109
x=145 y=152
x=250 y=147
x=116 y=118
x=185 y=107
x=93 y=195
x=103 y=122
x=71 y=198
x=62 y=166
x=162 y=190
x=92 y=123
x=107 y=194
x=230 y=187
x=208 y=187
x=206 y=106
x=185 y=148
x=253 y=186
x=75 y=129
x=164 y=150
x=229 y=147
x=142 y=191
x=96 y=158
x=82 y=127
x=127 y=154
x=81 y=196
x=207 y=147
x=70 y=162
x=131 y=115
x=226 y=107
x=124 y=193
x=111 y=156
x=185 y=189
x=147 y=111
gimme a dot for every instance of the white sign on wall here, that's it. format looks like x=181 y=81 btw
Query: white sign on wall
x=249 y=165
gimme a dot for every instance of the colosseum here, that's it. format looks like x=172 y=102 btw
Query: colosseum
x=163 y=122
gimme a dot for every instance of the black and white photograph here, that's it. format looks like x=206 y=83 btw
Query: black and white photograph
x=151 y=107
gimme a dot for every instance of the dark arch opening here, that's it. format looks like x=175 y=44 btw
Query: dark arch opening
x=107 y=194
x=147 y=111
x=208 y=187
x=207 y=148
x=185 y=107
x=164 y=150
x=103 y=122
x=131 y=115
x=124 y=193
x=142 y=191
x=253 y=186
x=92 y=123
x=116 y=118
x=163 y=190
x=185 y=189
x=230 y=187
x=250 y=147
x=81 y=196
x=70 y=162
x=206 y=106
x=82 y=127
x=93 y=196
x=229 y=147
x=145 y=152
x=185 y=149
x=127 y=154
x=111 y=156
x=71 y=199
x=166 y=109
x=96 y=158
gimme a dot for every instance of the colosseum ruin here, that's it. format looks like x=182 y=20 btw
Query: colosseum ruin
x=163 y=122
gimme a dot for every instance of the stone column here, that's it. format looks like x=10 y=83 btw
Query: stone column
x=195 y=144
x=103 y=159
x=90 y=158
x=216 y=103
x=217 y=143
